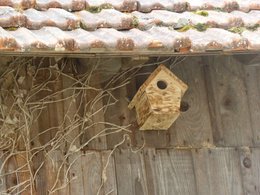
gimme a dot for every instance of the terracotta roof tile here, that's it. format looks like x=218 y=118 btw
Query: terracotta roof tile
x=107 y=18
x=117 y=40
x=9 y=17
x=26 y=40
x=171 y=39
x=216 y=39
x=129 y=25
x=143 y=40
x=7 y=41
x=172 y=5
x=71 y=5
x=253 y=39
x=86 y=40
x=18 y=4
x=121 y=5
x=52 y=17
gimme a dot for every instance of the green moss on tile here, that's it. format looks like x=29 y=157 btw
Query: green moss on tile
x=185 y=28
x=237 y=30
x=201 y=12
x=135 y=22
x=253 y=28
x=201 y=27
x=97 y=9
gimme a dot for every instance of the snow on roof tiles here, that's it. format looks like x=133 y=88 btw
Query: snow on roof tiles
x=129 y=25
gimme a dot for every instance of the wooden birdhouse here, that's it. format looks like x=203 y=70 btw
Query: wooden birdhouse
x=157 y=102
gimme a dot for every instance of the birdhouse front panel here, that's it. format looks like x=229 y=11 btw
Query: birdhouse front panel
x=158 y=100
x=163 y=94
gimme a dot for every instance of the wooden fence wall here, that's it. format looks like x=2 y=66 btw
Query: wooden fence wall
x=212 y=149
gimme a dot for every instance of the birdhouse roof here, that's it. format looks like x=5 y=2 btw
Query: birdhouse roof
x=175 y=79
x=129 y=27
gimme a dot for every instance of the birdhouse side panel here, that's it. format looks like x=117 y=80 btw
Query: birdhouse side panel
x=143 y=109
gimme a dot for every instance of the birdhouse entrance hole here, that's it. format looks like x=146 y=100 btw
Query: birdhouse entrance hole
x=162 y=84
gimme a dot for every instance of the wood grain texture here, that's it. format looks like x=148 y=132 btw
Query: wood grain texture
x=170 y=172
x=253 y=91
x=2 y=173
x=91 y=171
x=76 y=186
x=24 y=174
x=193 y=127
x=227 y=95
x=11 y=177
x=250 y=170
x=72 y=132
x=55 y=161
x=36 y=142
x=256 y=169
x=109 y=186
x=93 y=105
x=119 y=114
x=41 y=180
x=56 y=173
x=217 y=171
x=130 y=173
x=44 y=124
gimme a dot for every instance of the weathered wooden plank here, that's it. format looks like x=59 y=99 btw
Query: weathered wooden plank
x=72 y=132
x=39 y=168
x=256 y=169
x=55 y=161
x=55 y=108
x=250 y=170
x=109 y=185
x=130 y=173
x=170 y=172
x=96 y=131
x=217 y=171
x=93 y=106
x=56 y=173
x=24 y=173
x=45 y=133
x=17 y=173
x=193 y=127
x=2 y=172
x=76 y=174
x=246 y=170
x=11 y=178
x=227 y=95
x=91 y=168
x=253 y=91
x=118 y=115
x=40 y=171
